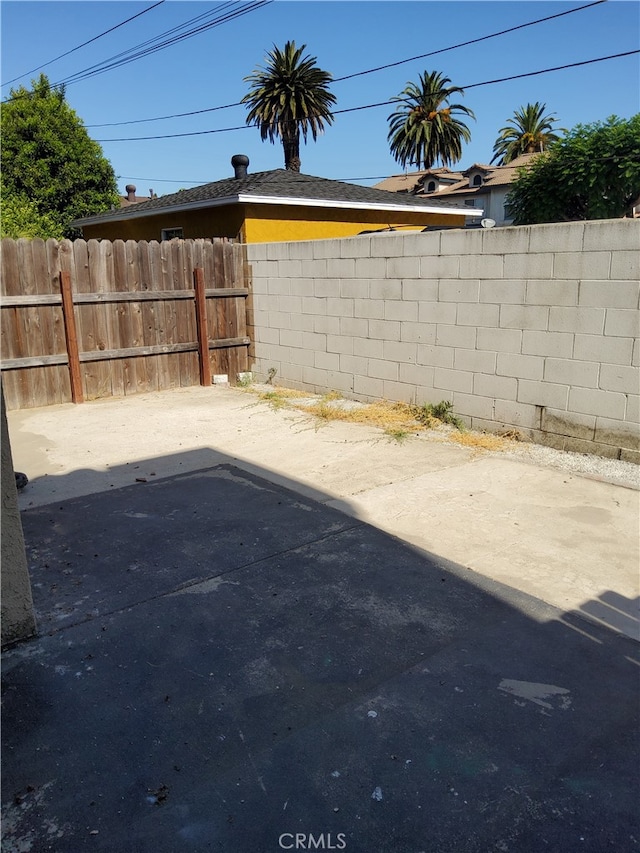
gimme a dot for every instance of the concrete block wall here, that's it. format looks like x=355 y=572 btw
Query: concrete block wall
x=531 y=328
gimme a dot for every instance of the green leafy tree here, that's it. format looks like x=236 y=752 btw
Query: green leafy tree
x=52 y=171
x=591 y=173
x=425 y=127
x=528 y=132
x=288 y=97
x=20 y=217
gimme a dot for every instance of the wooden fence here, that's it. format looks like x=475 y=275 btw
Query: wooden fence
x=89 y=319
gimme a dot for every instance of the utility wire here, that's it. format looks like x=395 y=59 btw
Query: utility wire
x=147 y=48
x=368 y=71
x=85 y=43
x=382 y=103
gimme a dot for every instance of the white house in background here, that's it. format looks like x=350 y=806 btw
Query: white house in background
x=480 y=186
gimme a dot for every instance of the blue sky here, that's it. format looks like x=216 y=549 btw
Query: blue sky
x=207 y=70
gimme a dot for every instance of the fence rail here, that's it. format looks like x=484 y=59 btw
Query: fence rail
x=82 y=320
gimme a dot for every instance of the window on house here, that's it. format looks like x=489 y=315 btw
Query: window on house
x=477 y=181
x=431 y=187
x=470 y=202
x=172 y=234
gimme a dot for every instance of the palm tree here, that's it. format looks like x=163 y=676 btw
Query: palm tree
x=530 y=130
x=289 y=96
x=423 y=129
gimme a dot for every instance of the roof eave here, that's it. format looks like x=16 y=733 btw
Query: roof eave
x=244 y=198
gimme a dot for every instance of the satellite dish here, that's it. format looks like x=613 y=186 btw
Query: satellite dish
x=487 y=223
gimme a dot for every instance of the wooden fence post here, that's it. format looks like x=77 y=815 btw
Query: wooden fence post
x=71 y=336
x=201 y=326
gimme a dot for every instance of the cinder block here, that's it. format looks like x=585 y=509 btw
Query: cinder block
x=471 y=406
x=588 y=321
x=619 y=377
x=341 y=267
x=598 y=348
x=543 y=394
x=615 y=234
x=621 y=433
x=590 y=401
x=625 y=265
x=356 y=326
x=398 y=351
x=327 y=360
x=453 y=380
x=354 y=288
x=632 y=412
x=370 y=268
x=505 y=241
x=420 y=289
x=461 y=242
x=277 y=251
x=572 y=265
x=400 y=309
x=456 y=336
x=382 y=369
x=559 y=344
x=629 y=456
x=421 y=244
x=340 y=307
x=265 y=335
x=279 y=320
x=621 y=323
x=403 y=267
x=435 y=356
x=291 y=338
x=290 y=304
x=386 y=330
x=635 y=357
x=453 y=290
x=326 y=287
x=368 y=347
x=481 y=266
x=475 y=314
x=577 y=445
x=558 y=237
x=385 y=289
x=569 y=371
x=308 y=322
x=434 y=267
x=315 y=377
x=550 y=292
x=327 y=248
x=290 y=372
x=256 y=252
x=356 y=247
x=568 y=423
x=499 y=340
x=520 y=366
x=524 y=316
x=438 y=312
x=398 y=391
x=353 y=364
x=498 y=387
x=301 y=250
x=369 y=386
x=386 y=245
x=519 y=415
x=301 y=286
x=474 y=360
x=340 y=344
x=609 y=294
x=290 y=269
x=372 y=309
x=314 y=305
x=424 y=333
x=419 y=375
x=325 y=325
x=314 y=342
x=500 y=291
x=535 y=266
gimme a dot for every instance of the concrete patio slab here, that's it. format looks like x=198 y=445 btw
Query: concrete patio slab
x=227 y=664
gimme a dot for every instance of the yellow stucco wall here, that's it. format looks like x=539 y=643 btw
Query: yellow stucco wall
x=265 y=223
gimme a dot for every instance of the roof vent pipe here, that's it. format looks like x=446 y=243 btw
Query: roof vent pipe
x=131 y=192
x=240 y=163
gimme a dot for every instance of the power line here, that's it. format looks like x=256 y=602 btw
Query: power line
x=148 y=47
x=368 y=71
x=85 y=43
x=382 y=103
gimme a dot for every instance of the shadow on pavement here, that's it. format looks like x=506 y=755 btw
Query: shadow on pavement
x=227 y=664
